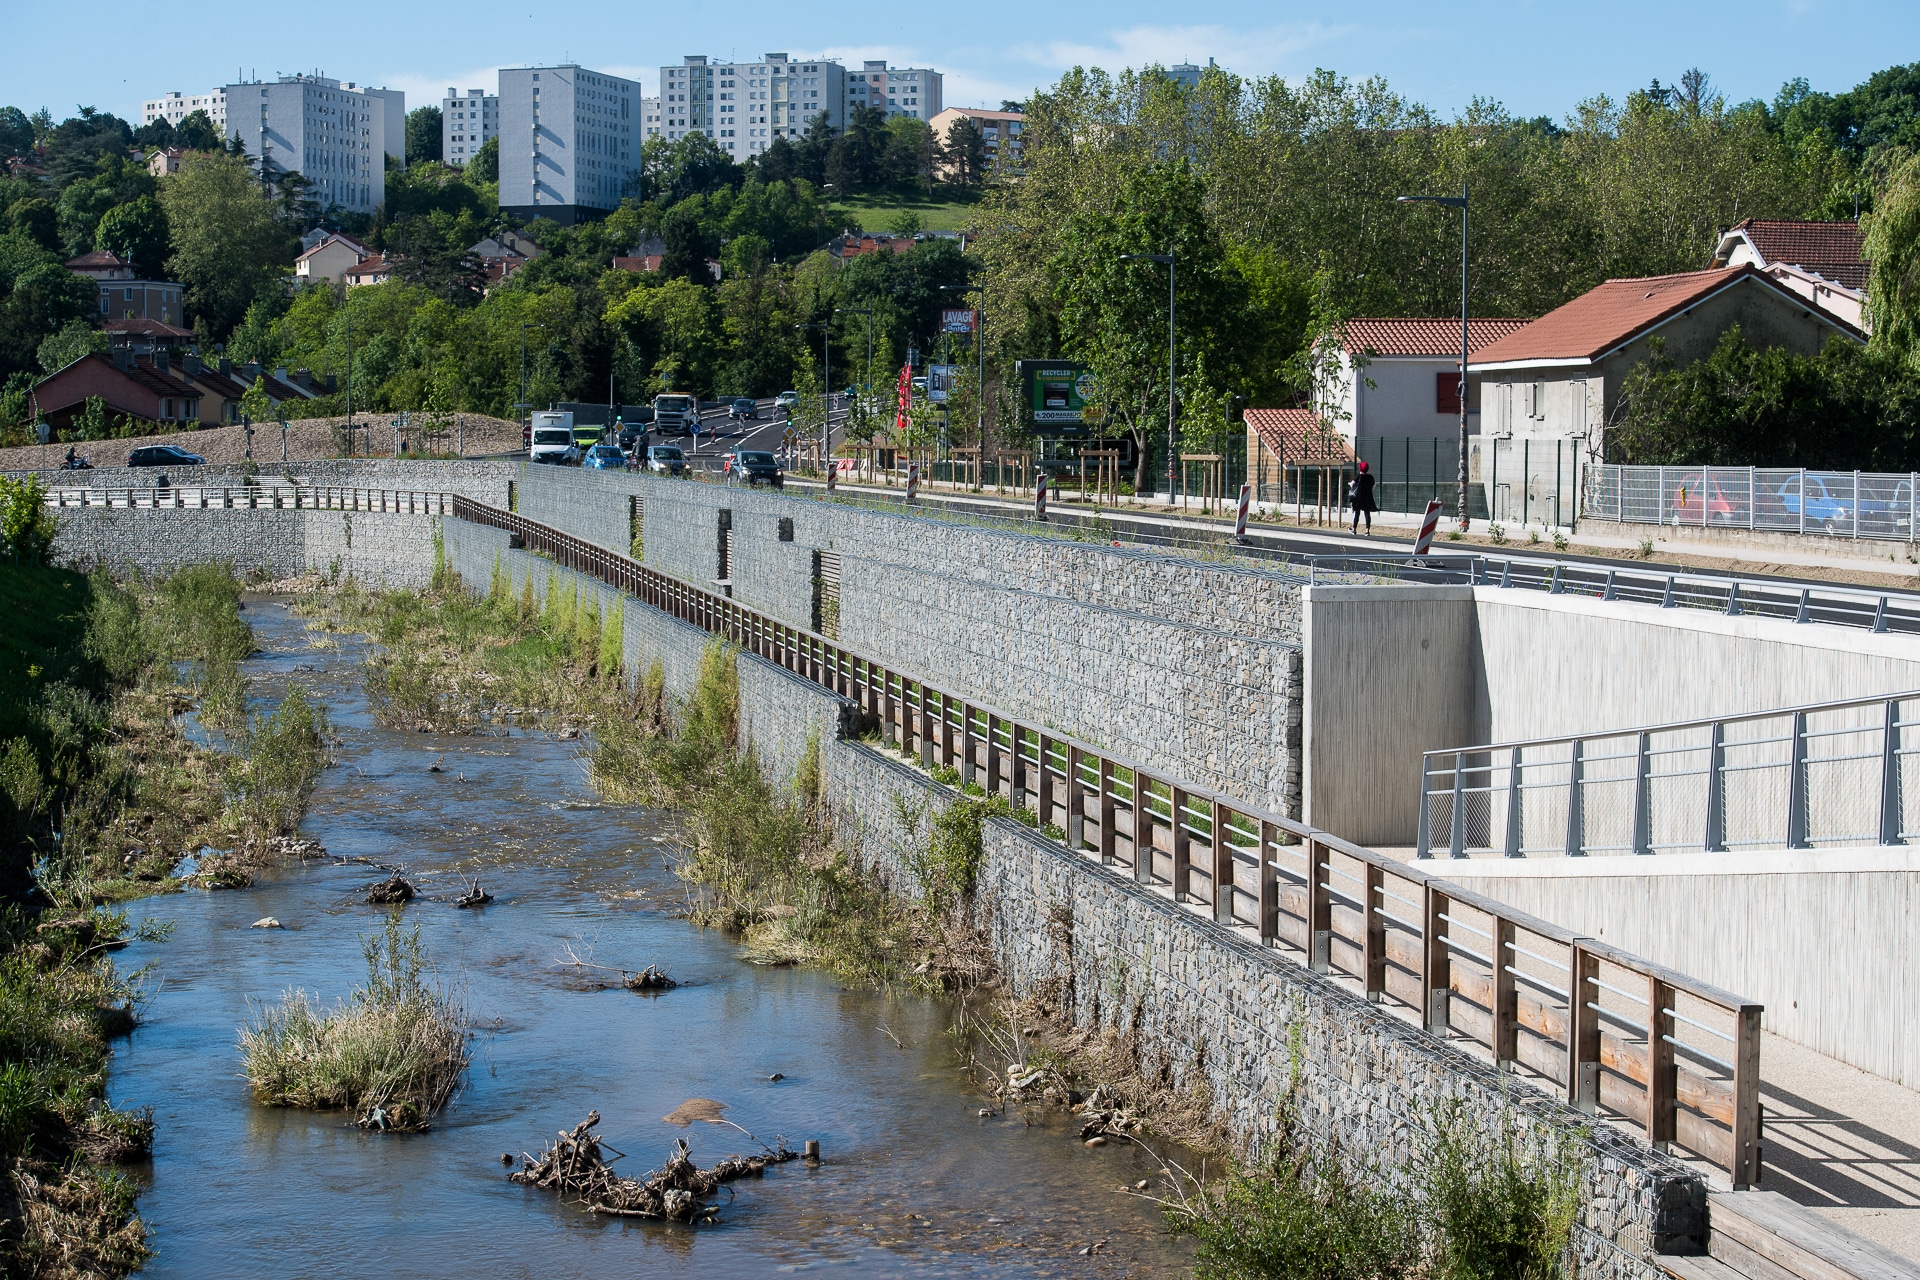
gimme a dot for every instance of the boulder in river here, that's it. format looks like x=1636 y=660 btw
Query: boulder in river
x=266 y=922
x=390 y=892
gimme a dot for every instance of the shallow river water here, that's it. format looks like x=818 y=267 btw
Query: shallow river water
x=913 y=1181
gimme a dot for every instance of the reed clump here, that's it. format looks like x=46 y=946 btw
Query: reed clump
x=393 y=1052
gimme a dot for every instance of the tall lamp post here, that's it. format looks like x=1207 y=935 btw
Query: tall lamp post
x=1168 y=259
x=826 y=397
x=523 y=366
x=980 y=360
x=1457 y=202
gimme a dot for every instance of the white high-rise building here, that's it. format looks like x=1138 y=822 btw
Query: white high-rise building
x=175 y=107
x=897 y=91
x=336 y=135
x=569 y=141
x=650 y=116
x=466 y=123
x=744 y=106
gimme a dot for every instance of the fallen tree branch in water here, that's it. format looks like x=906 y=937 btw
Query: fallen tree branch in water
x=573 y=1166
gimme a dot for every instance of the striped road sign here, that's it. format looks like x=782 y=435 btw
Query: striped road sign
x=1240 y=519
x=1427 y=525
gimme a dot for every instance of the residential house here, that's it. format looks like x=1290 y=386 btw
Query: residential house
x=146 y=336
x=123 y=294
x=1550 y=388
x=1820 y=261
x=645 y=256
x=165 y=160
x=1401 y=378
x=330 y=259
x=377 y=269
x=505 y=253
x=850 y=245
x=144 y=388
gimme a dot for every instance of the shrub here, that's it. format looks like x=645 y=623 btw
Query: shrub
x=27 y=528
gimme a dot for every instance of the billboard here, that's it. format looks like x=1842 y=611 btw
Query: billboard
x=941 y=379
x=1059 y=394
x=952 y=321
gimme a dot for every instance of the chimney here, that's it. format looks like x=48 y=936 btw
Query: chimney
x=331 y=385
x=226 y=365
x=281 y=373
x=249 y=371
x=161 y=360
x=123 y=357
x=190 y=365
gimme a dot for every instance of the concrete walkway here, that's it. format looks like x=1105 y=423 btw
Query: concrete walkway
x=1844 y=1143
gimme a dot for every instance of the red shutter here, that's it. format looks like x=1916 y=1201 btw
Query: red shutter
x=1446 y=392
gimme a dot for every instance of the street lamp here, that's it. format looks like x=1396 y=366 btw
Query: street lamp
x=1168 y=259
x=1457 y=202
x=826 y=398
x=523 y=366
x=980 y=358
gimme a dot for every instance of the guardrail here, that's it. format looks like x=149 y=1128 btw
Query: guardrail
x=258 y=498
x=1730 y=595
x=1830 y=773
x=1840 y=504
x=1608 y=1031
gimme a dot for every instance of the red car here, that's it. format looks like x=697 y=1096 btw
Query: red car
x=1687 y=499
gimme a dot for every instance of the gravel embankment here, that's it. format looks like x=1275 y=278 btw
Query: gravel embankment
x=307 y=439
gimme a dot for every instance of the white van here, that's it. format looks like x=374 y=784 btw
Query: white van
x=551 y=439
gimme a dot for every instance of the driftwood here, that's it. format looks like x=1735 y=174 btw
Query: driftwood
x=651 y=978
x=475 y=896
x=574 y=1167
x=390 y=891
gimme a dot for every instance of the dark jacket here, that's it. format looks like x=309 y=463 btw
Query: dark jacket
x=1360 y=493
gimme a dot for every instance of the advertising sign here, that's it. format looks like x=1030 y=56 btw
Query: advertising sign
x=1059 y=394
x=941 y=379
x=952 y=321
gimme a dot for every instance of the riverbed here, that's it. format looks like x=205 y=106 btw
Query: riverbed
x=913 y=1180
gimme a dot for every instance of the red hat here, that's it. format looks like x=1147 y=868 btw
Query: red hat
x=1363 y=464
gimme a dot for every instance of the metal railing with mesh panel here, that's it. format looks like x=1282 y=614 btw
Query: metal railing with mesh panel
x=1839 y=504
x=1827 y=774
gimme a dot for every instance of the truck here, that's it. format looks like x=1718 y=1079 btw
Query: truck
x=550 y=438
x=676 y=413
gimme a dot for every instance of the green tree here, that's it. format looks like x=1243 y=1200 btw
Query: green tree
x=964 y=153
x=228 y=246
x=198 y=132
x=1892 y=245
x=76 y=146
x=16 y=132
x=424 y=138
x=256 y=403
x=36 y=219
x=485 y=165
x=75 y=339
x=138 y=232
x=689 y=166
x=40 y=300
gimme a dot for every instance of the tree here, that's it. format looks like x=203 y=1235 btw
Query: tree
x=688 y=246
x=424 y=138
x=84 y=202
x=255 y=402
x=424 y=257
x=75 y=339
x=16 y=132
x=198 y=132
x=965 y=153
x=227 y=245
x=40 y=301
x=38 y=220
x=1892 y=245
x=155 y=134
x=485 y=165
x=689 y=166
x=137 y=231
x=76 y=147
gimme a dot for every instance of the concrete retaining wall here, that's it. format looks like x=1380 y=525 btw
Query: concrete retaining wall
x=480 y=480
x=1825 y=938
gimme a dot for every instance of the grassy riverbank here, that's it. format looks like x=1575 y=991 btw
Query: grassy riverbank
x=101 y=793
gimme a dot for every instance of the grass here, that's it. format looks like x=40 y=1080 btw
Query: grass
x=949 y=209
x=393 y=1052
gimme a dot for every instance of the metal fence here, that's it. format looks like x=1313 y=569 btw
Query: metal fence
x=1833 y=773
x=258 y=497
x=1610 y=1032
x=1532 y=481
x=1839 y=504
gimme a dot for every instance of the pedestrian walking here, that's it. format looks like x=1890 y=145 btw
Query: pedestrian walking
x=1360 y=498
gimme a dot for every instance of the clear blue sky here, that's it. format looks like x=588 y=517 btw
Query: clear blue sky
x=1536 y=58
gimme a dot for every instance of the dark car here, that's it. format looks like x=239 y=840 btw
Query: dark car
x=163 y=455
x=755 y=465
x=633 y=437
x=743 y=410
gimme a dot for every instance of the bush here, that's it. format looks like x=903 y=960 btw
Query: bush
x=393 y=1052
x=27 y=527
x=286 y=751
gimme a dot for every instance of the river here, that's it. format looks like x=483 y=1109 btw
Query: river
x=913 y=1181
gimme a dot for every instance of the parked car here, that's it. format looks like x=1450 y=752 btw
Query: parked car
x=753 y=466
x=743 y=409
x=1687 y=500
x=163 y=455
x=667 y=459
x=604 y=457
x=1834 y=512
x=787 y=400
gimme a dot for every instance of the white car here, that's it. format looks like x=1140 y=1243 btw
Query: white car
x=786 y=400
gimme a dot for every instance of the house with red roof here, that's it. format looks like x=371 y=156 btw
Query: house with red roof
x=1820 y=261
x=1402 y=377
x=144 y=388
x=1560 y=377
x=330 y=258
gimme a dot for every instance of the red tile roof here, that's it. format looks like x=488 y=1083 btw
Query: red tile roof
x=1298 y=436
x=97 y=258
x=1610 y=314
x=336 y=238
x=1424 y=337
x=368 y=270
x=146 y=329
x=638 y=262
x=1831 y=249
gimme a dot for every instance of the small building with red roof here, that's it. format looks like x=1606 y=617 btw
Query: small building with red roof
x=1820 y=261
x=1560 y=376
x=1401 y=377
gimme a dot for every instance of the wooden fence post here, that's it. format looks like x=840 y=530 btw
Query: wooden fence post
x=1269 y=886
x=1180 y=841
x=1583 y=1030
x=1661 y=1075
x=1746 y=1097
x=1223 y=867
x=1374 y=956
x=1076 y=802
x=1436 y=966
x=1506 y=996
x=1107 y=854
x=1319 y=905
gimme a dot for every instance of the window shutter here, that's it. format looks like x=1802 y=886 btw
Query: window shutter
x=1446 y=391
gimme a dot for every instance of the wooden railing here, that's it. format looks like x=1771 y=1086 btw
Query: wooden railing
x=1610 y=1032
x=258 y=497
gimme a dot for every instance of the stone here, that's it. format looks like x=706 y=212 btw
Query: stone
x=266 y=922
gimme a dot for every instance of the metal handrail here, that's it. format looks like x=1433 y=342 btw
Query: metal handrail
x=1110 y=808
x=1703 y=722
